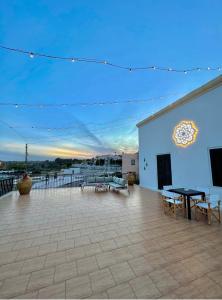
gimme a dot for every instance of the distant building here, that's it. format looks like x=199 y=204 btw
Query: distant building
x=2 y=165
x=181 y=145
x=130 y=163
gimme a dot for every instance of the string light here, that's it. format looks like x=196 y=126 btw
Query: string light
x=110 y=64
x=85 y=104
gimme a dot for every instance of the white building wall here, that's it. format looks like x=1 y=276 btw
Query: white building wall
x=190 y=166
x=126 y=163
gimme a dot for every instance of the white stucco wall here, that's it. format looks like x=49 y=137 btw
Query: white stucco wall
x=126 y=163
x=190 y=166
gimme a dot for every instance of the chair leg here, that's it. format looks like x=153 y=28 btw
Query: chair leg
x=219 y=220
x=209 y=216
x=195 y=213
x=174 y=211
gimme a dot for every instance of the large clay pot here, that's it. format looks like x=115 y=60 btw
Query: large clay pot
x=24 y=185
x=131 y=178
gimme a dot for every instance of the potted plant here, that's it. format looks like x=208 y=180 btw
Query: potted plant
x=24 y=185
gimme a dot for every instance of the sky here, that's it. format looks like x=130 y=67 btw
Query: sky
x=177 y=34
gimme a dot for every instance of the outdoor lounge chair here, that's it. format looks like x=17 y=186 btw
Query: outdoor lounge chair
x=118 y=184
x=209 y=208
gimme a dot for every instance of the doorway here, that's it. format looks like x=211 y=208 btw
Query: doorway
x=164 y=173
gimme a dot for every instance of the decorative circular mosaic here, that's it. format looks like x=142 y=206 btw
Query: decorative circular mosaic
x=185 y=133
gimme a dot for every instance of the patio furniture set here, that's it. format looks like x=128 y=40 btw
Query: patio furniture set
x=104 y=184
x=184 y=199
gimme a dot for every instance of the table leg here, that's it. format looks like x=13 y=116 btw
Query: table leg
x=188 y=208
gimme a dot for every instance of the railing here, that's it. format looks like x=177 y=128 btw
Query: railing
x=6 y=185
x=45 y=182
x=61 y=181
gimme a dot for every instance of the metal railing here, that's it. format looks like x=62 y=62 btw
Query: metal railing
x=6 y=185
x=51 y=181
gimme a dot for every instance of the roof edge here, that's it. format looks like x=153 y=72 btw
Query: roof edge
x=210 y=85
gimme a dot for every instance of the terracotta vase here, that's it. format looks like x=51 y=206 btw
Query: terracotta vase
x=24 y=185
x=131 y=178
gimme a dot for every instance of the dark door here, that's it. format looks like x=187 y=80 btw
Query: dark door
x=164 y=170
x=216 y=166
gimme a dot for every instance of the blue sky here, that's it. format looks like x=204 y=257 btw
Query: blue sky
x=178 y=34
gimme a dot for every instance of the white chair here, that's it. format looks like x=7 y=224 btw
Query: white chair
x=198 y=198
x=209 y=208
x=172 y=201
x=167 y=187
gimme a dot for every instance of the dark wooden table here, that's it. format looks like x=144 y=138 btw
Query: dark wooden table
x=187 y=193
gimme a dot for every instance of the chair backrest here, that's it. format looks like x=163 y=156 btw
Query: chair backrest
x=206 y=190
x=167 y=187
x=214 y=199
x=169 y=195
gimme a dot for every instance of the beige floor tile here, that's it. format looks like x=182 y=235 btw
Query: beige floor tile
x=122 y=272
x=23 y=244
x=41 y=240
x=14 y=286
x=33 y=264
x=47 y=248
x=135 y=237
x=82 y=241
x=108 y=245
x=216 y=276
x=106 y=259
x=140 y=266
x=101 y=280
x=57 y=258
x=99 y=296
x=76 y=253
x=32 y=295
x=92 y=249
x=87 y=265
x=40 y=279
x=78 y=287
x=55 y=291
x=7 y=247
x=144 y=288
x=122 y=241
x=137 y=250
x=72 y=234
x=65 y=271
x=122 y=254
x=64 y=245
x=8 y=257
x=27 y=253
x=163 y=281
x=10 y=270
x=122 y=291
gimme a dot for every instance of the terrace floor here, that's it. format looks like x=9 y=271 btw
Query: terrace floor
x=64 y=243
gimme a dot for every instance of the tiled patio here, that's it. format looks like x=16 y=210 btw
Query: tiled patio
x=64 y=243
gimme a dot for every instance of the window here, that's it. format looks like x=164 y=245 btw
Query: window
x=133 y=162
x=216 y=166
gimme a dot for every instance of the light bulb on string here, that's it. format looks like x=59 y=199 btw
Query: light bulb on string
x=16 y=106
x=72 y=60
x=31 y=55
